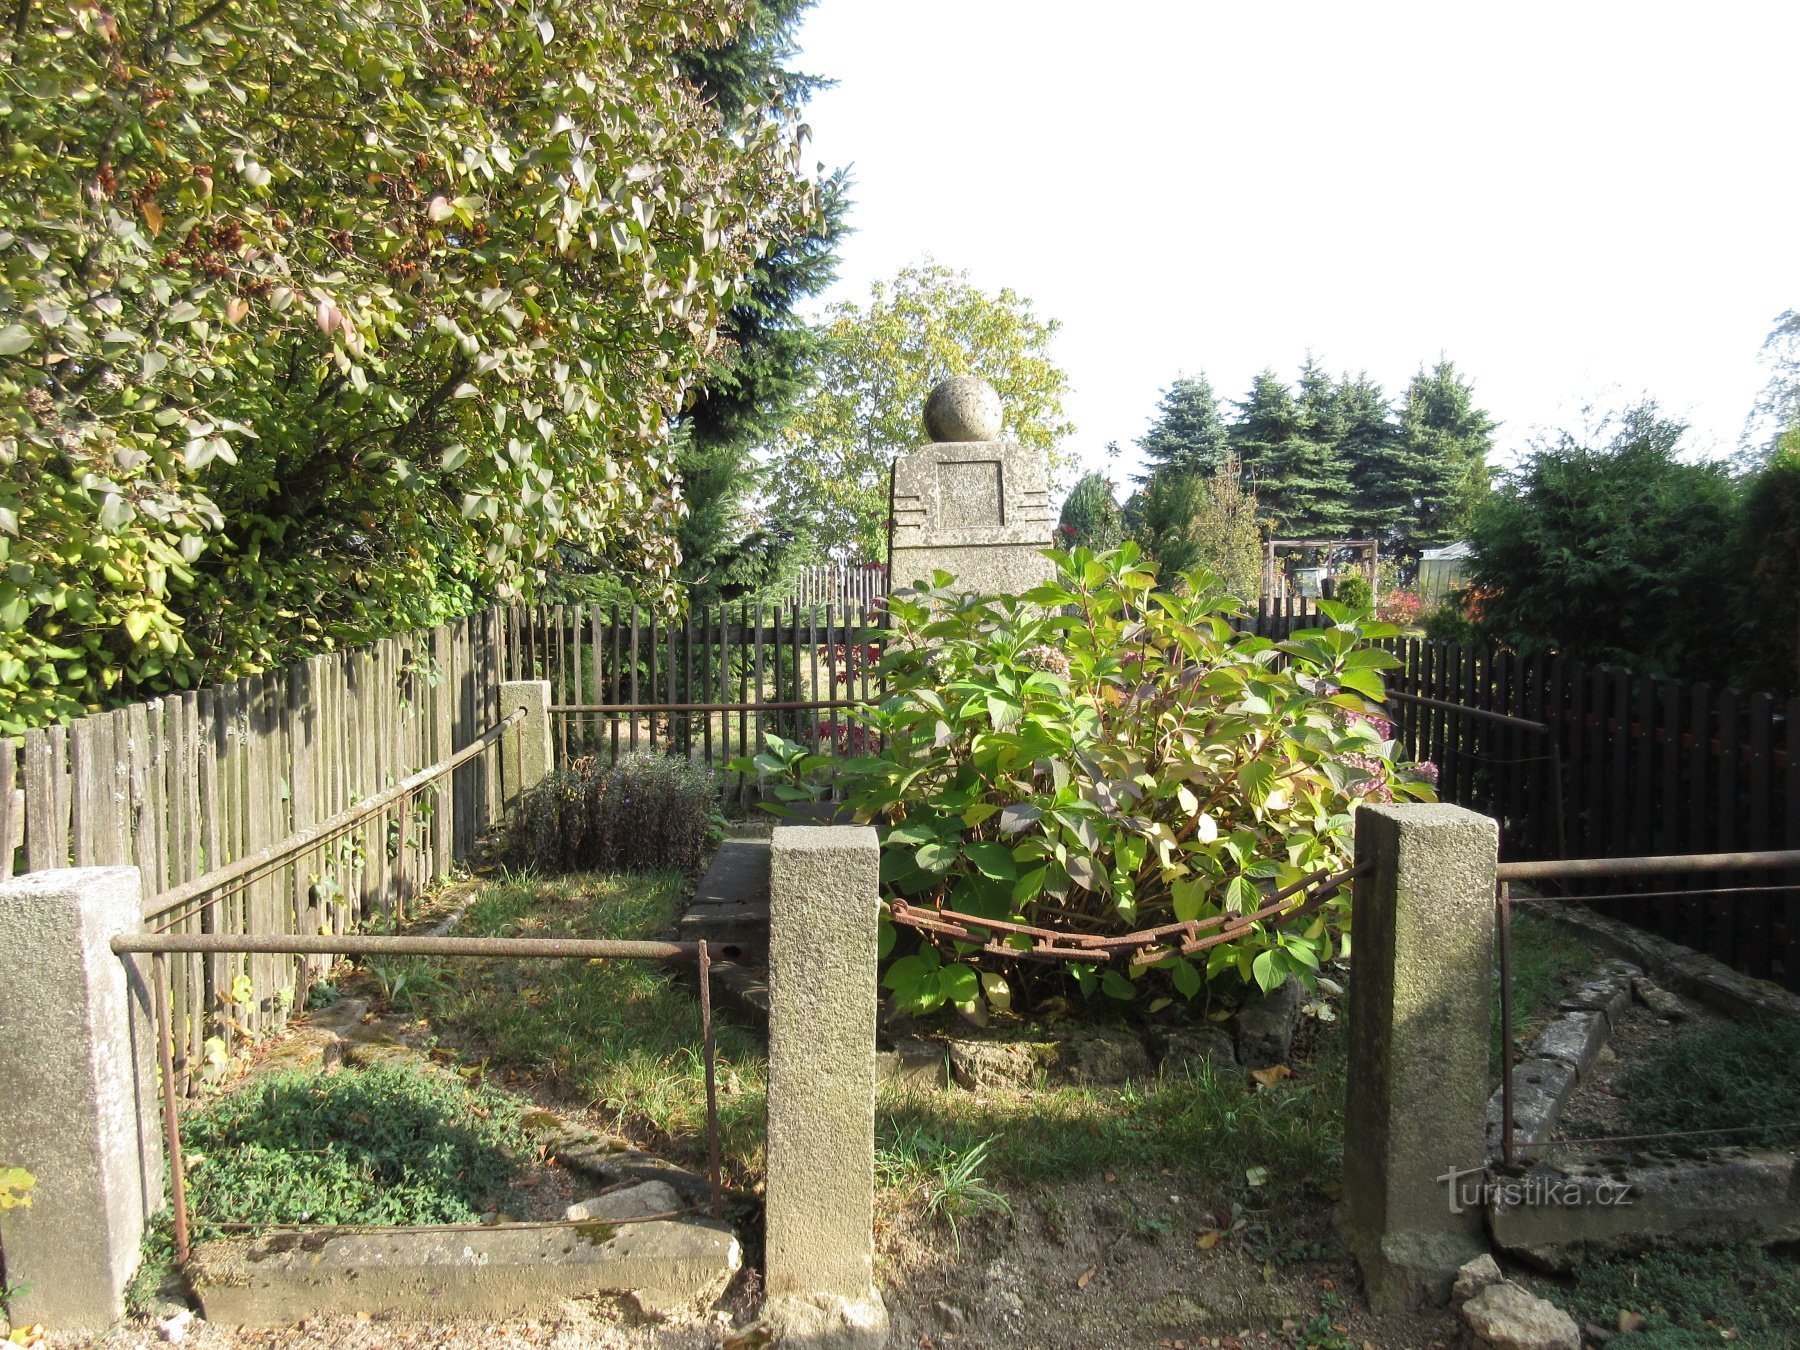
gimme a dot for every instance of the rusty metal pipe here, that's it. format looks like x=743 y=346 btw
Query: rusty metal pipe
x=712 y=1089
x=1501 y=719
x=165 y=1057
x=1554 y=869
x=328 y=944
x=789 y=705
x=1503 y=913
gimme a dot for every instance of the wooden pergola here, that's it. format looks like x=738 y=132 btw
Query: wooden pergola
x=1367 y=556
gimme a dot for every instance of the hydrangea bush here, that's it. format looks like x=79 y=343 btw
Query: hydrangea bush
x=1102 y=757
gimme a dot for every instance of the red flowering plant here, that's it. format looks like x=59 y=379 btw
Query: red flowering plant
x=1102 y=757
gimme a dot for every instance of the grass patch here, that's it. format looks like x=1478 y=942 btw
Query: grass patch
x=1207 y=1128
x=620 y=1036
x=1689 y=1297
x=1544 y=958
x=1727 y=1076
x=394 y=1144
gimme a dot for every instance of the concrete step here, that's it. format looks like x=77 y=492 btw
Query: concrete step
x=730 y=909
x=506 y=1270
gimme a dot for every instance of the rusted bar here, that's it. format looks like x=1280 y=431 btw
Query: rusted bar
x=712 y=1087
x=1503 y=913
x=253 y=865
x=171 y=1128
x=360 y=944
x=1650 y=866
x=789 y=705
x=1483 y=714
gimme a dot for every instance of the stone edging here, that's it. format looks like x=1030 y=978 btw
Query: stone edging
x=1544 y=1081
x=1700 y=977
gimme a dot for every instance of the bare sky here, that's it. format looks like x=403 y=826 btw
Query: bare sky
x=1576 y=202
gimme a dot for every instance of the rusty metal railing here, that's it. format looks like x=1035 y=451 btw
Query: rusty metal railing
x=1506 y=873
x=158 y=946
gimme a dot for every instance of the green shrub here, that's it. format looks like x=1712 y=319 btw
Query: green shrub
x=1100 y=757
x=646 y=812
x=1353 y=591
x=393 y=1144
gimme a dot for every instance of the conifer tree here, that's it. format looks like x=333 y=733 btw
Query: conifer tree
x=1090 y=516
x=1299 y=480
x=1426 y=487
x=1189 y=434
x=762 y=366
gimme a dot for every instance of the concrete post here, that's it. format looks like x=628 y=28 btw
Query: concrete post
x=78 y=1103
x=525 y=754
x=820 y=1206
x=1421 y=986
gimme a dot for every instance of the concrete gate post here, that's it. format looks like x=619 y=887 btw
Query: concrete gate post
x=526 y=757
x=78 y=1102
x=820 y=1205
x=1421 y=989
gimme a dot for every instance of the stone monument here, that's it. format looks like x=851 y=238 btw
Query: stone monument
x=969 y=503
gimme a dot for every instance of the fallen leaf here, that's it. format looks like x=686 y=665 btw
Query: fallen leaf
x=1272 y=1075
x=1630 y=1321
x=1083 y=1280
x=1328 y=1284
x=1208 y=1240
x=1109 y=1178
x=1255 y=1176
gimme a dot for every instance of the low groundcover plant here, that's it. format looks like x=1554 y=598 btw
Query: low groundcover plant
x=1101 y=756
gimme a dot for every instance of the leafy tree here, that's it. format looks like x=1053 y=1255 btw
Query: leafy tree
x=1189 y=434
x=828 y=467
x=1777 y=409
x=1090 y=516
x=1615 y=551
x=325 y=319
x=1768 y=563
x=1299 y=479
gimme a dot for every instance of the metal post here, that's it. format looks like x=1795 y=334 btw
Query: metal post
x=1503 y=910
x=171 y=1128
x=712 y=1094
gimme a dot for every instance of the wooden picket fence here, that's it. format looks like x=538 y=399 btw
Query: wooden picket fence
x=1625 y=765
x=848 y=586
x=184 y=786
x=706 y=685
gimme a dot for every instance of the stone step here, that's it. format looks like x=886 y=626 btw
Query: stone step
x=730 y=909
x=507 y=1270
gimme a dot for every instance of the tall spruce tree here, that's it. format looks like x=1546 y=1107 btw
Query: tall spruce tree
x=1189 y=434
x=1425 y=489
x=1299 y=480
x=761 y=369
x=1366 y=441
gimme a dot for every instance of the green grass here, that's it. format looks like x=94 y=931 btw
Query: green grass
x=1727 y=1076
x=1688 y=1298
x=396 y=1144
x=620 y=1036
x=1544 y=957
x=1208 y=1128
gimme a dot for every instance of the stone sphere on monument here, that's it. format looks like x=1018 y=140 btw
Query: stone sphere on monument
x=963 y=408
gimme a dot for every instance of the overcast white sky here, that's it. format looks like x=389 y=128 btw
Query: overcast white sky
x=1574 y=201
